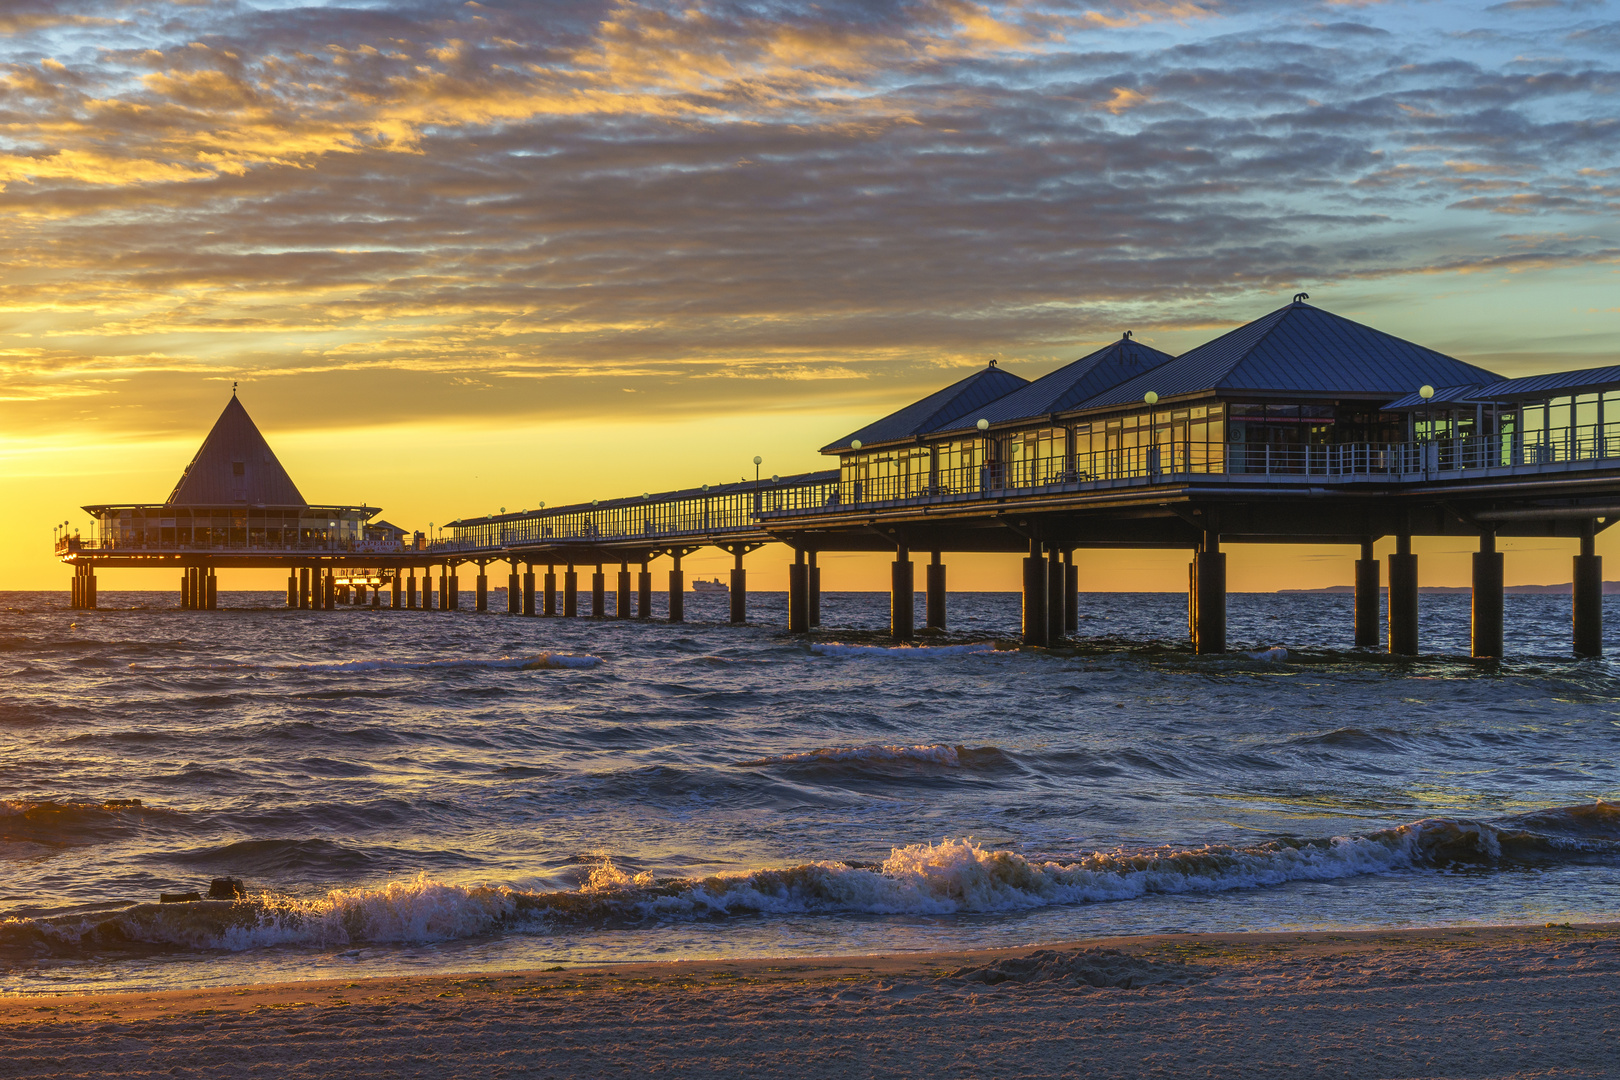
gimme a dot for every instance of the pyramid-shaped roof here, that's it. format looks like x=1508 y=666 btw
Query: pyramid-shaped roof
x=937 y=411
x=1072 y=384
x=1300 y=349
x=235 y=465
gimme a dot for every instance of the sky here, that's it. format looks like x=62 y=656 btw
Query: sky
x=465 y=255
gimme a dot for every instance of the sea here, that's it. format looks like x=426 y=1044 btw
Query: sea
x=420 y=792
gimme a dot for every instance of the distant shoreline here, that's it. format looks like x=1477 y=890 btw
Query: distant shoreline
x=1610 y=588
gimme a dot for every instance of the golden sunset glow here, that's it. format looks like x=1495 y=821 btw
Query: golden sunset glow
x=462 y=256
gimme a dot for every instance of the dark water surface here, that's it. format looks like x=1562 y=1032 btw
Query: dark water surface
x=427 y=791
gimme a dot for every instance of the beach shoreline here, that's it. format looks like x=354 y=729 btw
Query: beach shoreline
x=1446 y=1001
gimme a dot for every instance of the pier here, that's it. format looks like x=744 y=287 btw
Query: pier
x=1300 y=427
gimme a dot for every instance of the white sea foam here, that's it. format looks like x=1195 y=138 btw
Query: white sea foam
x=1276 y=654
x=905 y=651
x=952 y=877
x=931 y=754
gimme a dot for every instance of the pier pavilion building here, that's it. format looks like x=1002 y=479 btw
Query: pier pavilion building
x=233 y=506
x=1300 y=427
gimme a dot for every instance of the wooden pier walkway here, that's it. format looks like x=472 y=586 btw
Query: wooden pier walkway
x=1301 y=427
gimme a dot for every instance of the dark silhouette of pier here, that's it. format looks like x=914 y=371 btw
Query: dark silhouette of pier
x=1300 y=427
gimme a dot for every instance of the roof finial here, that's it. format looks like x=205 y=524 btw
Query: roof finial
x=233 y=388
x=1127 y=336
x=1301 y=297
x=992 y=362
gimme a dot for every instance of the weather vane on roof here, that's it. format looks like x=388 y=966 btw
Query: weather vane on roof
x=233 y=388
x=1301 y=297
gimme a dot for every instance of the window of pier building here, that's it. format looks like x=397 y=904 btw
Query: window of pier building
x=1188 y=438
x=900 y=472
x=1565 y=428
x=209 y=528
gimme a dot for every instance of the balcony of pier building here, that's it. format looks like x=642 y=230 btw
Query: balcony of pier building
x=163 y=529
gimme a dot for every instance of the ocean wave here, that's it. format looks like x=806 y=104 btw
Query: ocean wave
x=537 y=662
x=931 y=754
x=955 y=877
x=909 y=652
x=52 y=823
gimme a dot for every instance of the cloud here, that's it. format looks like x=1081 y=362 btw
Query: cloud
x=707 y=201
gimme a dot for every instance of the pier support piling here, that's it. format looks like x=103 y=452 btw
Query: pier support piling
x=211 y=593
x=1403 y=598
x=815 y=588
x=550 y=596
x=570 y=593
x=677 y=589
x=621 y=594
x=1055 y=581
x=444 y=587
x=329 y=590
x=1209 y=596
x=1366 y=615
x=902 y=597
x=528 y=590
x=598 y=593
x=739 y=588
x=1034 y=617
x=1487 y=622
x=303 y=588
x=644 y=592
x=410 y=590
x=514 y=592
x=934 y=605
x=1588 y=596
x=292 y=589
x=1071 y=594
x=798 y=595
x=481 y=590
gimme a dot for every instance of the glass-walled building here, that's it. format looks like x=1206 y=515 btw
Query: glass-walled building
x=1299 y=390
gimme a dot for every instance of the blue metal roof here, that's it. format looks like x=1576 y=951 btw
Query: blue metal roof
x=1443 y=395
x=1070 y=385
x=938 y=409
x=1528 y=388
x=1299 y=350
x=1584 y=381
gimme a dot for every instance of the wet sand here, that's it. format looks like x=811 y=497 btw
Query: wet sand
x=1539 y=1001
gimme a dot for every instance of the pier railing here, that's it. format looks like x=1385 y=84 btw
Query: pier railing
x=744 y=509
x=669 y=516
x=228 y=545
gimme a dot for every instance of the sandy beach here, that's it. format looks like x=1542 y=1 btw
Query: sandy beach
x=1539 y=1001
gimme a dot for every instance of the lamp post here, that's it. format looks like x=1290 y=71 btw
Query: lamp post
x=1150 y=399
x=1426 y=392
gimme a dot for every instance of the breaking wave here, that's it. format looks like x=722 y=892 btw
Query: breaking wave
x=955 y=877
